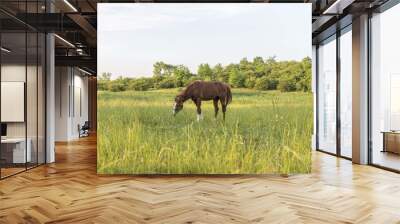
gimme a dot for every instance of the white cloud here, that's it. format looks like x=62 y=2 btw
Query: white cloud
x=131 y=17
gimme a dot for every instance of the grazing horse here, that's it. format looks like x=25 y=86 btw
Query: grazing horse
x=199 y=91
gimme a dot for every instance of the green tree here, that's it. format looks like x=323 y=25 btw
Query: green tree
x=158 y=68
x=106 y=76
x=162 y=69
x=103 y=81
x=270 y=67
x=167 y=83
x=141 y=84
x=250 y=78
x=182 y=75
x=245 y=65
x=304 y=84
x=236 y=78
x=261 y=74
x=205 y=72
x=228 y=70
x=259 y=67
x=264 y=83
x=286 y=85
x=219 y=73
x=247 y=70
x=120 y=84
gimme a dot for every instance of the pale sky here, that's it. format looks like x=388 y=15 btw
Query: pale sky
x=133 y=36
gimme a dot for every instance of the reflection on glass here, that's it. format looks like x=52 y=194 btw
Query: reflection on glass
x=346 y=94
x=327 y=96
x=394 y=102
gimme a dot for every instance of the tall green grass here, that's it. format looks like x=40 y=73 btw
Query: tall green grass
x=264 y=132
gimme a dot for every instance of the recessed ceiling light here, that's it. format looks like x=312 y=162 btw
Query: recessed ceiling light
x=86 y=72
x=70 y=5
x=64 y=40
x=5 y=50
x=338 y=6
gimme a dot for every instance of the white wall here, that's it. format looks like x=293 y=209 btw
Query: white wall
x=79 y=111
x=71 y=102
x=62 y=83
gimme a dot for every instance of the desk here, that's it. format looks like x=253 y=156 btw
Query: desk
x=13 y=150
x=391 y=141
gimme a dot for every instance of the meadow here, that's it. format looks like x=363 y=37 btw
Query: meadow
x=264 y=132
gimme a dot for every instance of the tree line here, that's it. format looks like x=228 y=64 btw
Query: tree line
x=260 y=74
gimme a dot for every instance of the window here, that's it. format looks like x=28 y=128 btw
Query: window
x=385 y=89
x=327 y=96
x=346 y=93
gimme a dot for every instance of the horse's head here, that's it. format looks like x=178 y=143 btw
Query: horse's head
x=178 y=106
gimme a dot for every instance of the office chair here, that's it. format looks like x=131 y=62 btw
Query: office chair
x=84 y=130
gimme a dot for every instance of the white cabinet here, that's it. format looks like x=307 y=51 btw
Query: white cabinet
x=19 y=155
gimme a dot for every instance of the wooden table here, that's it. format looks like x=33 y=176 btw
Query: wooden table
x=391 y=141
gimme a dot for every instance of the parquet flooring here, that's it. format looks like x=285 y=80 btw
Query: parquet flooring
x=69 y=191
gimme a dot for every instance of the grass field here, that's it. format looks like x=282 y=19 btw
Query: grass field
x=264 y=132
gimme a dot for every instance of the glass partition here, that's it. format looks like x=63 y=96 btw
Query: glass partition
x=327 y=95
x=22 y=78
x=13 y=94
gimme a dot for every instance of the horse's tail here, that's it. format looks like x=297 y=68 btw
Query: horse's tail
x=228 y=96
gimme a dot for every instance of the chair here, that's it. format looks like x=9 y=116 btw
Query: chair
x=84 y=130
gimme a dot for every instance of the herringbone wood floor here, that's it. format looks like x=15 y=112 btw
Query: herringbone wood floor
x=69 y=191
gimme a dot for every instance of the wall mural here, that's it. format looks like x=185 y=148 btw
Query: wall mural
x=204 y=89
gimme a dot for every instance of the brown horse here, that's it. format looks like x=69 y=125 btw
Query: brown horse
x=199 y=91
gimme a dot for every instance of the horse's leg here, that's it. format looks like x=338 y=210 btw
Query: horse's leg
x=216 y=107
x=198 y=105
x=223 y=111
x=223 y=103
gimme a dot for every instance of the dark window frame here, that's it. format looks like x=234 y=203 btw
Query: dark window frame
x=333 y=37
